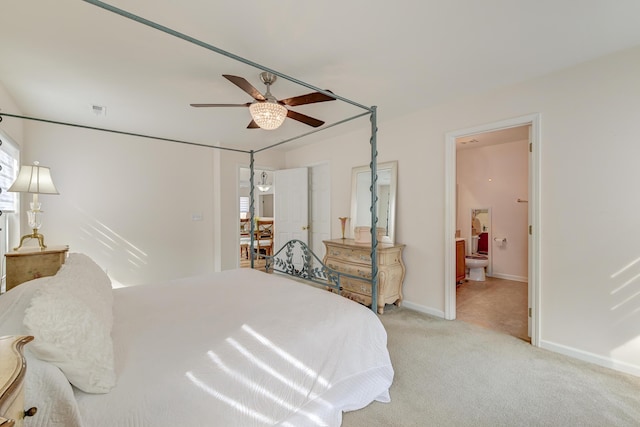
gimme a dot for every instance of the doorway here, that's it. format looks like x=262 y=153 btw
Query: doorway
x=492 y=218
x=266 y=205
x=457 y=216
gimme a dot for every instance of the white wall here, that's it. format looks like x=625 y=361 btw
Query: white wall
x=496 y=177
x=127 y=202
x=590 y=259
x=14 y=128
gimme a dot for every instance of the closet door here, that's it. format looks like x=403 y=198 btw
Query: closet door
x=291 y=199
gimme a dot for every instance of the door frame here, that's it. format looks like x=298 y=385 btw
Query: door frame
x=239 y=167
x=313 y=244
x=534 y=215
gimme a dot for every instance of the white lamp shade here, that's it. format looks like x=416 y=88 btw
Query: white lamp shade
x=267 y=114
x=34 y=179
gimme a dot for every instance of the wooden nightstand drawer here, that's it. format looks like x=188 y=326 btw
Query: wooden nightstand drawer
x=28 y=264
x=12 y=374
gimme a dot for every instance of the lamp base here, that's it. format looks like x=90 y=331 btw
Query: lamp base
x=34 y=235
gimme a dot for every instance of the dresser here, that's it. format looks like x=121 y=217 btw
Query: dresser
x=12 y=372
x=30 y=263
x=346 y=256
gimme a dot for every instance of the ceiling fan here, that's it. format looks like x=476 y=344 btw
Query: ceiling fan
x=267 y=111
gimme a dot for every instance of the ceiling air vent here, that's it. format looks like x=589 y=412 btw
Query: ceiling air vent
x=99 y=110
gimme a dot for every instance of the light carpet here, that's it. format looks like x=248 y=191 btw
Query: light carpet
x=451 y=373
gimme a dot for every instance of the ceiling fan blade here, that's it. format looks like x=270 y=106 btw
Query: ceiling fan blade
x=245 y=86
x=304 y=119
x=253 y=125
x=309 y=98
x=221 y=105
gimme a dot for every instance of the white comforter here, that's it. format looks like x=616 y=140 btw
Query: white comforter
x=239 y=348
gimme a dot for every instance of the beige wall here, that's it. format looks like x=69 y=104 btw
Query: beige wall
x=590 y=260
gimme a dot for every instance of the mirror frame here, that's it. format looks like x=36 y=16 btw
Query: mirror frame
x=392 y=166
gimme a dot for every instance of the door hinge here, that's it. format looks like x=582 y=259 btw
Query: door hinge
x=529 y=311
x=531 y=147
x=530 y=230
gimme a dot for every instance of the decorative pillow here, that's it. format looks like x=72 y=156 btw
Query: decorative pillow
x=71 y=320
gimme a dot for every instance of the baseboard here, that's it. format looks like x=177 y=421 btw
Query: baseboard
x=606 y=362
x=423 y=309
x=509 y=277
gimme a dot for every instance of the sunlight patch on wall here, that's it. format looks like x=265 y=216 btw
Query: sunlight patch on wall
x=628 y=351
x=625 y=293
x=113 y=242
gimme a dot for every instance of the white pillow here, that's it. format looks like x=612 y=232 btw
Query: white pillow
x=71 y=320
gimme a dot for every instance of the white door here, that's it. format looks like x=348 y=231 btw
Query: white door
x=291 y=213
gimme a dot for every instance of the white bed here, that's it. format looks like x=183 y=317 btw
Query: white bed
x=236 y=348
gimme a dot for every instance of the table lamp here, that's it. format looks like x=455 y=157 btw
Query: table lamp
x=34 y=179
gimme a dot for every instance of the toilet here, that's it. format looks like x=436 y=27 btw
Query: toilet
x=476 y=262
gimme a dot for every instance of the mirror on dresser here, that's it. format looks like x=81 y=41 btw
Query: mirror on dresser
x=386 y=191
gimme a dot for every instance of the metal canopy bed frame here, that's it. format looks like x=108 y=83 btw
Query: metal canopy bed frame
x=282 y=261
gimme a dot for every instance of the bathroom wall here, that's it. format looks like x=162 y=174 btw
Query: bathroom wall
x=495 y=177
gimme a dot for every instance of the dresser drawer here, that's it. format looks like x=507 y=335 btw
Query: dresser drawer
x=389 y=257
x=359 y=270
x=359 y=255
x=358 y=286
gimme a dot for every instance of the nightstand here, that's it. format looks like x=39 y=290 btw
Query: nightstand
x=30 y=263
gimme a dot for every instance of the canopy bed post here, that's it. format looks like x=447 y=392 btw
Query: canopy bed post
x=374 y=210
x=251 y=208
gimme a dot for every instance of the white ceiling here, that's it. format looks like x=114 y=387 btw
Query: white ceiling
x=59 y=58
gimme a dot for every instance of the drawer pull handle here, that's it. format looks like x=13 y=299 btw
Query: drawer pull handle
x=30 y=412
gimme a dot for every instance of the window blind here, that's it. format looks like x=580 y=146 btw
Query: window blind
x=244 y=204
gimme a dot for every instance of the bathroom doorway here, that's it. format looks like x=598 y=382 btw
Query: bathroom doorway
x=492 y=167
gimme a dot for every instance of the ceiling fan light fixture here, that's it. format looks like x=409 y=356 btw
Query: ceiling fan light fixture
x=268 y=115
